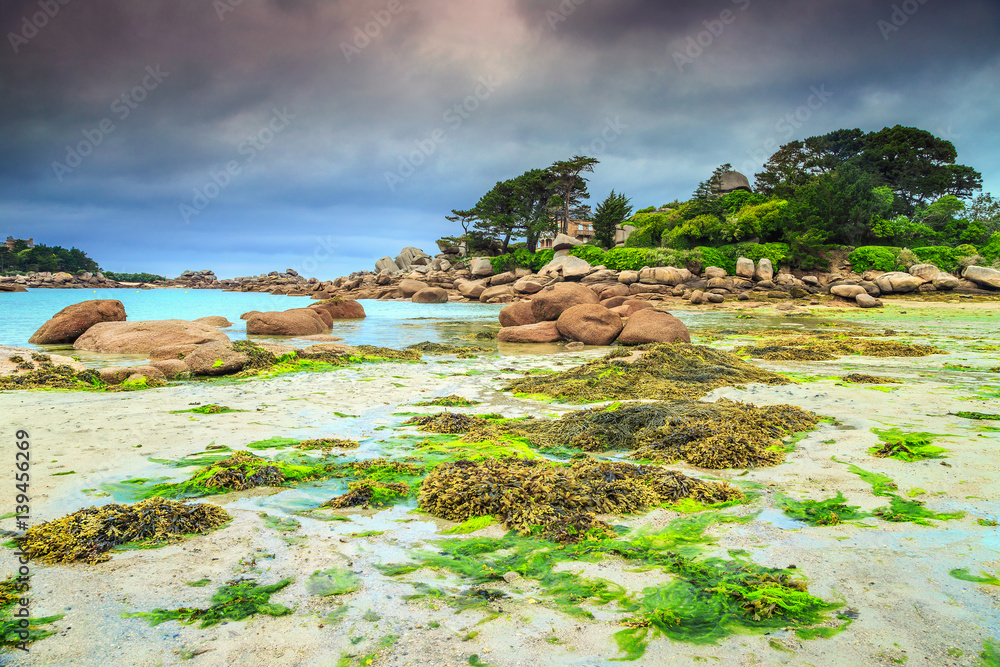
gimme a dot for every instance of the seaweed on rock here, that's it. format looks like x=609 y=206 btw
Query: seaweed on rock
x=724 y=434
x=88 y=534
x=466 y=352
x=563 y=500
x=861 y=378
x=678 y=370
x=54 y=377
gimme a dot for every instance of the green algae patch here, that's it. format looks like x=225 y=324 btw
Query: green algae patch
x=990 y=655
x=829 y=512
x=88 y=534
x=562 y=502
x=983 y=416
x=381 y=647
x=210 y=409
x=472 y=525
x=899 y=509
x=861 y=378
x=370 y=493
x=335 y=581
x=724 y=434
x=236 y=601
x=826 y=347
x=18 y=631
x=701 y=601
x=240 y=471
x=648 y=372
x=985 y=578
x=265 y=364
x=452 y=401
x=273 y=443
x=906 y=446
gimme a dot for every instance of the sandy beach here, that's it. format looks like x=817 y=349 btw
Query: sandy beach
x=891 y=578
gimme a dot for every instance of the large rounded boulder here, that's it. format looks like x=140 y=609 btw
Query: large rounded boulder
x=653 y=326
x=897 y=282
x=341 y=309
x=295 y=322
x=552 y=301
x=517 y=315
x=214 y=359
x=144 y=337
x=430 y=295
x=542 y=332
x=590 y=324
x=408 y=287
x=72 y=321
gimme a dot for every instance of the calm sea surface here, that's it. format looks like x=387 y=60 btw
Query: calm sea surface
x=389 y=323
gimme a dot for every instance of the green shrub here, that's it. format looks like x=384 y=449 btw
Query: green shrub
x=880 y=258
x=627 y=259
x=589 y=253
x=942 y=257
x=542 y=257
x=991 y=251
x=641 y=238
x=519 y=258
x=715 y=257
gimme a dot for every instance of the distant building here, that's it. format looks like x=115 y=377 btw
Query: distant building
x=581 y=230
x=11 y=242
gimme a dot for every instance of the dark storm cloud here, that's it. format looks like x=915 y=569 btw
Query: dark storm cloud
x=391 y=114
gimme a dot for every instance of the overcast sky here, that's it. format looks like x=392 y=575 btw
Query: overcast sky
x=247 y=136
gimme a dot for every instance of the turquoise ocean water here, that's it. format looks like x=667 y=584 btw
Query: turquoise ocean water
x=389 y=323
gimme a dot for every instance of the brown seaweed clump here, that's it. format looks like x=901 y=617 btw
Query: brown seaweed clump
x=326 y=444
x=243 y=471
x=52 y=377
x=258 y=358
x=389 y=353
x=86 y=535
x=366 y=492
x=724 y=434
x=563 y=500
x=677 y=370
x=861 y=378
x=468 y=352
x=825 y=347
x=450 y=423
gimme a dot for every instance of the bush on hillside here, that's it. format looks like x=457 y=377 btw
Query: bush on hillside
x=879 y=258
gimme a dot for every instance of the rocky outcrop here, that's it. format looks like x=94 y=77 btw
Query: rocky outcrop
x=143 y=337
x=542 y=332
x=215 y=321
x=550 y=303
x=215 y=359
x=564 y=242
x=897 y=282
x=295 y=322
x=590 y=324
x=982 y=276
x=430 y=295
x=481 y=267
x=341 y=309
x=653 y=326
x=847 y=291
x=517 y=314
x=72 y=321
x=409 y=287
x=566 y=267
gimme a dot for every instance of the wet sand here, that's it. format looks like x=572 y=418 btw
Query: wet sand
x=893 y=577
